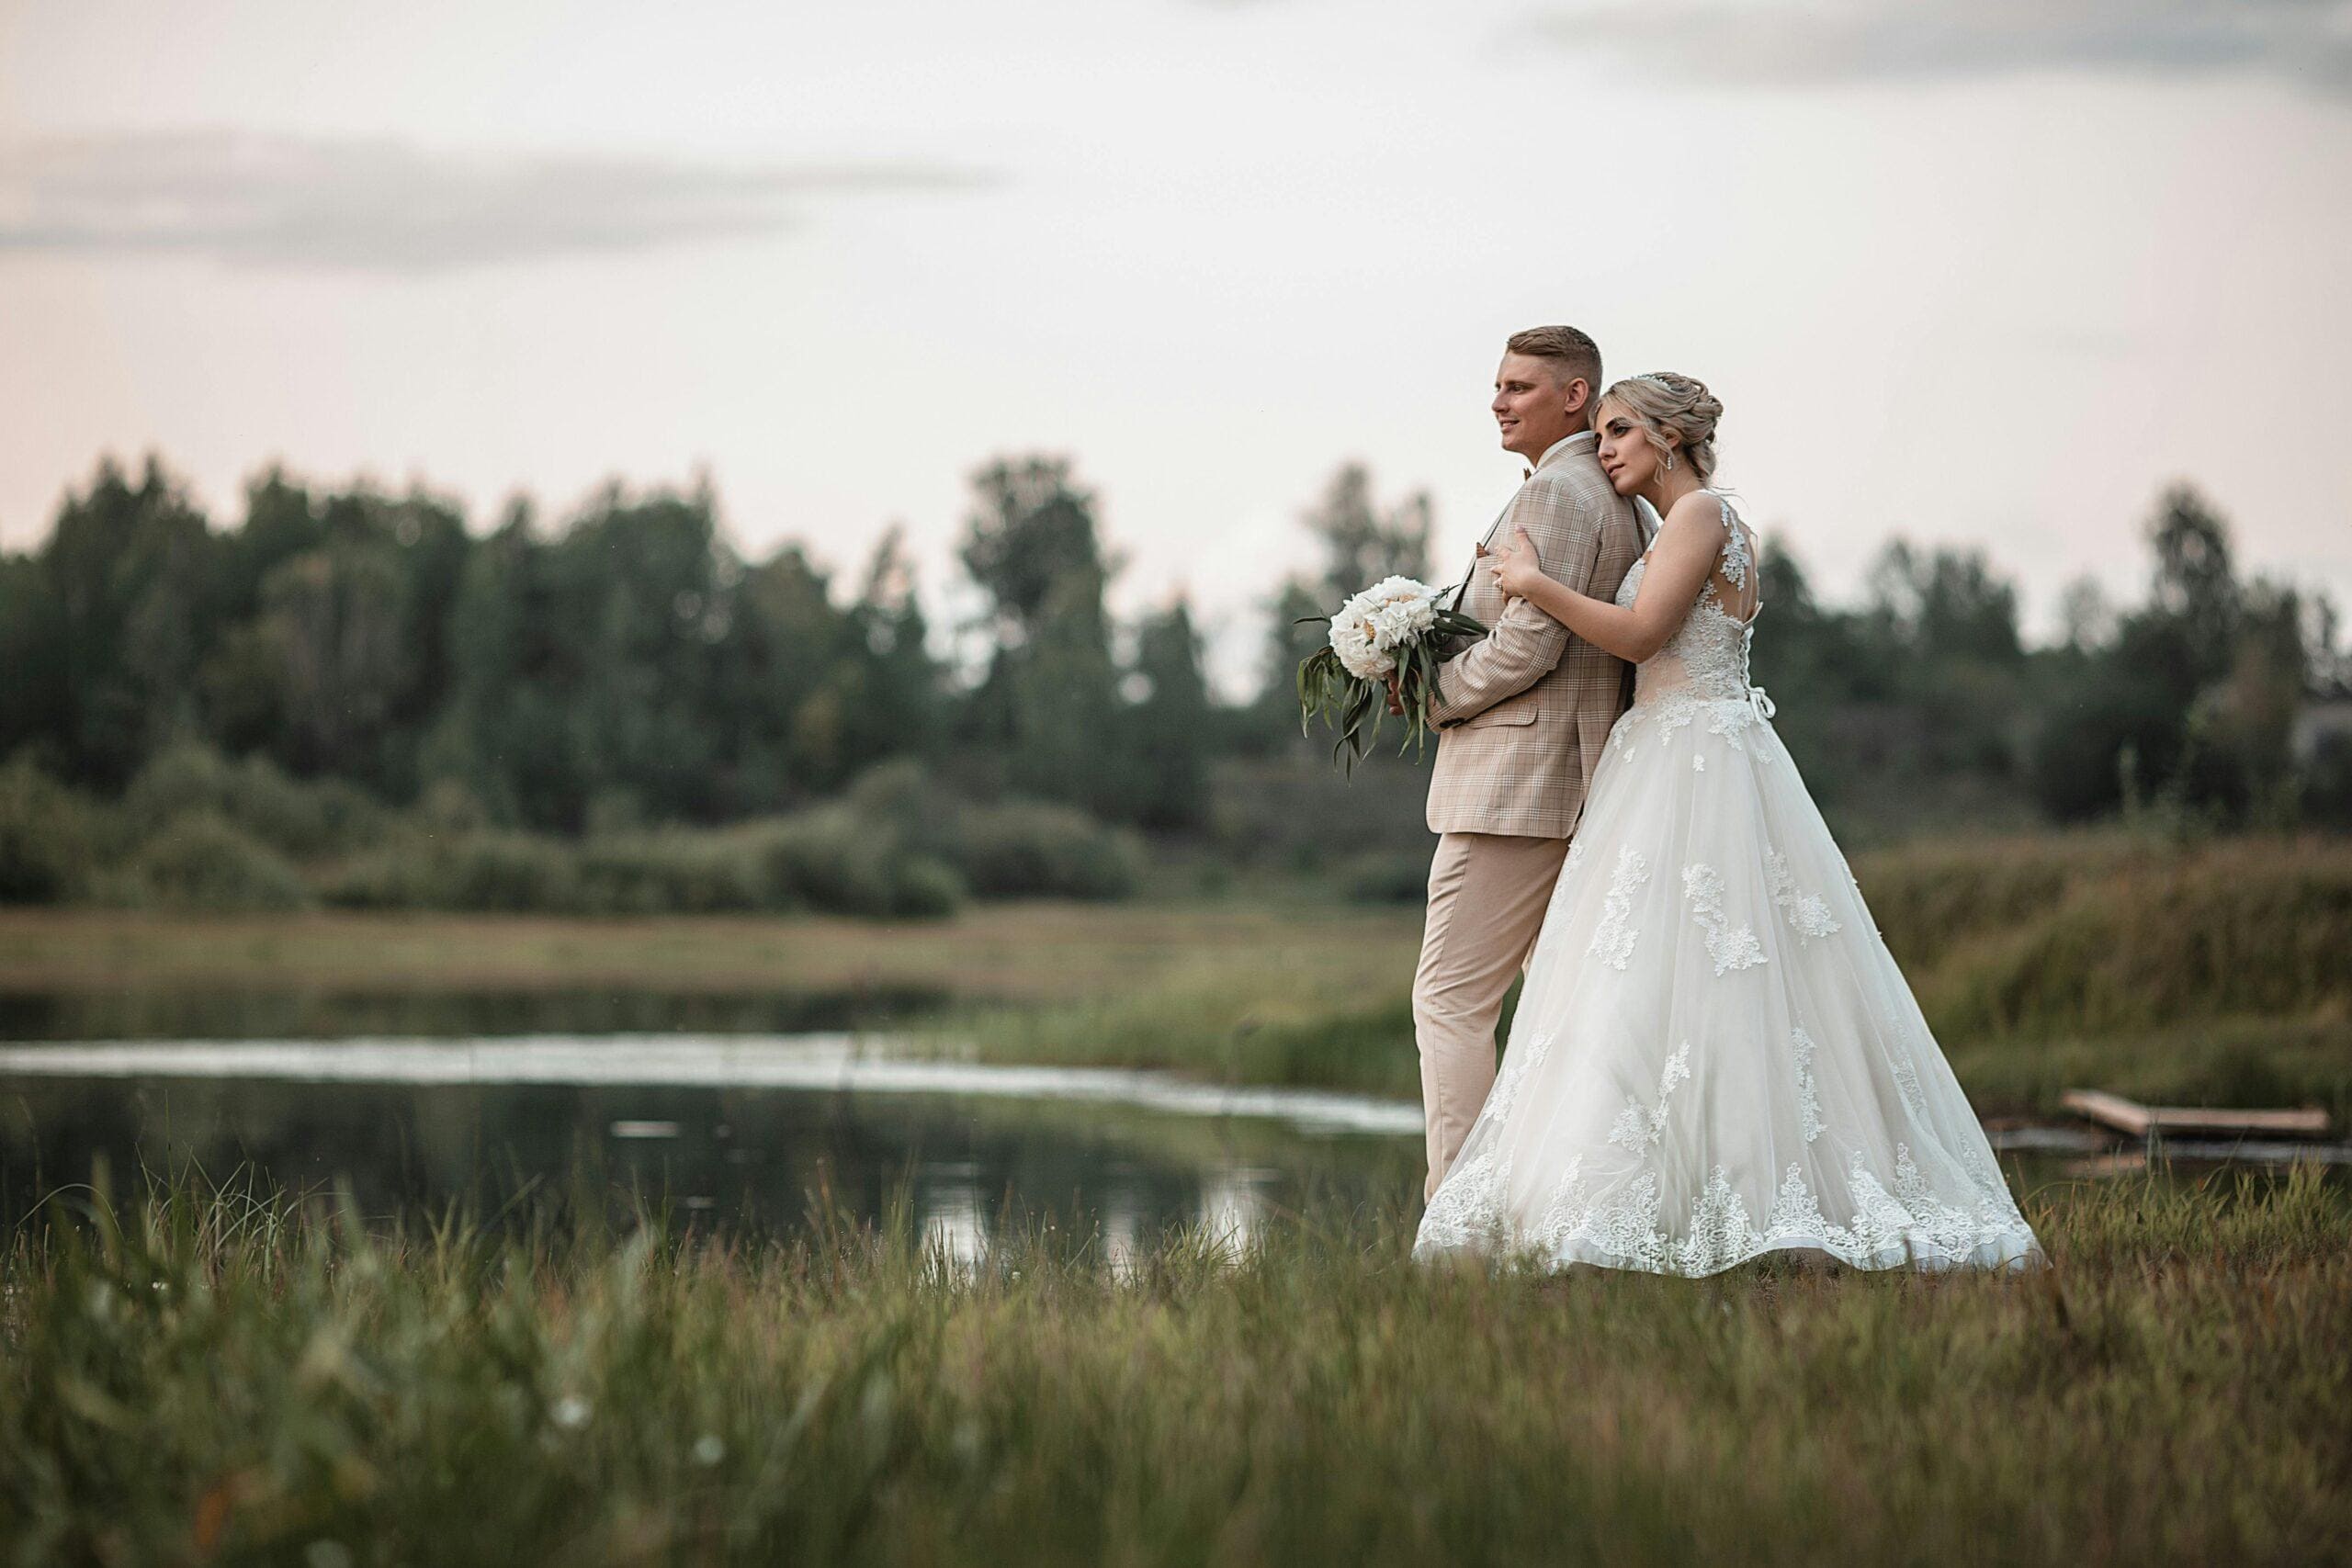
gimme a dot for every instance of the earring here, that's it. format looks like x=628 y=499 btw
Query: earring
x=1669 y=460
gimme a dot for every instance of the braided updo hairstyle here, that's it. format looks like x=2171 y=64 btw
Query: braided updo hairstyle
x=1673 y=410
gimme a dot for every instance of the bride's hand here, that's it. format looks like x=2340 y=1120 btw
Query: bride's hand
x=1516 y=567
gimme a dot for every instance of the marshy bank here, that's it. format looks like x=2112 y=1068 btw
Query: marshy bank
x=2217 y=972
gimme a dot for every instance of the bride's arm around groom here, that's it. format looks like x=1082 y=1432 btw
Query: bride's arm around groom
x=1564 y=508
x=1523 y=713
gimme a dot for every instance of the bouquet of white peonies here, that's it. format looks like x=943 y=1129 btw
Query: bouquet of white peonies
x=1391 y=630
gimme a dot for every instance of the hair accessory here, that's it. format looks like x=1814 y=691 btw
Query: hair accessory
x=1652 y=376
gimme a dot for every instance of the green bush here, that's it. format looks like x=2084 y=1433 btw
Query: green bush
x=1028 y=848
x=901 y=797
x=405 y=872
x=834 y=858
x=669 y=871
x=447 y=805
x=47 y=839
x=827 y=859
x=1008 y=850
x=303 y=819
x=896 y=846
x=199 y=860
x=505 y=872
x=927 y=889
x=492 y=871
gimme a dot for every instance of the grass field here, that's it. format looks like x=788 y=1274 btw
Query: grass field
x=196 y=1379
x=195 y=1376
x=2219 y=973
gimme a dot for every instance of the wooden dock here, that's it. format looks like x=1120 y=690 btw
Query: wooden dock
x=2128 y=1116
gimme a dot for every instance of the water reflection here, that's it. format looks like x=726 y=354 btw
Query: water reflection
x=1121 y=1225
x=947 y=1213
x=961 y=1167
x=1231 y=1201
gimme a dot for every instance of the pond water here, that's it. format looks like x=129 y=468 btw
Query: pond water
x=737 y=1130
x=746 y=1131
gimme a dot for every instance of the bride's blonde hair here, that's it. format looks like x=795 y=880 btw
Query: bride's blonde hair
x=1673 y=410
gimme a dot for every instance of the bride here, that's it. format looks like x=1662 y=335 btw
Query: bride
x=1714 y=1055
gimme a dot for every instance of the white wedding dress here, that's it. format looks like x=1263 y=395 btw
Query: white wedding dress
x=1715 y=1055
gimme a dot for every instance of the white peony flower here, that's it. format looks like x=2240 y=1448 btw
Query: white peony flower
x=1351 y=640
x=1385 y=618
x=1400 y=622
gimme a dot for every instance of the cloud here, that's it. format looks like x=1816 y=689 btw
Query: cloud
x=2309 y=41
x=390 y=205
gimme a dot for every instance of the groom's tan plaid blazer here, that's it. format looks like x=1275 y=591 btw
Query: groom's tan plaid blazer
x=1524 y=712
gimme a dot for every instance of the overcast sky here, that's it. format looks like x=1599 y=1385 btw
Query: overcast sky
x=1972 y=270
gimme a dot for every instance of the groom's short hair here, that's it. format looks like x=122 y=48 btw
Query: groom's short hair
x=1573 y=353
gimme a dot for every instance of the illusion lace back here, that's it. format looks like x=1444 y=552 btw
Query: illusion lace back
x=1706 y=659
x=1715 y=1055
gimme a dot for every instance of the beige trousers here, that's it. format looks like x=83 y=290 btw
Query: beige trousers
x=1488 y=894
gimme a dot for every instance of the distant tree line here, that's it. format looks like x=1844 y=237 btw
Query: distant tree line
x=626 y=668
x=1923 y=707
x=629 y=668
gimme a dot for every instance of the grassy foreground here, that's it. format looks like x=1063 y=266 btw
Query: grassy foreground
x=197 y=1377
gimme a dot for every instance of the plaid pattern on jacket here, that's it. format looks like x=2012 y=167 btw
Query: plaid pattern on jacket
x=1523 y=713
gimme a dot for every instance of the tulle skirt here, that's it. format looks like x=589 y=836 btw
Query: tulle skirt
x=1714 y=1055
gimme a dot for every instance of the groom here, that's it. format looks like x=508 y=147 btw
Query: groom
x=1521 y=716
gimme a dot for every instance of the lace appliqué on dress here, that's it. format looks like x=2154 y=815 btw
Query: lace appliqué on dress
x=1795 y=1211
x=1909 y=1223
x=1807 y=913
x=1639 y=1126
x=1518 y=1063
x=1718 y=1234
x=1736 y=560
x=1468 y=1204
x=1566 y=1208
x=1907 y=1084
x=1809 y=1124
x=1731 y=947
x=1702 y=669
x=1467 y=1209
x=1612 y=939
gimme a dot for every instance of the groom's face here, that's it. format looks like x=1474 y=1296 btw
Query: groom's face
x=1533 y=409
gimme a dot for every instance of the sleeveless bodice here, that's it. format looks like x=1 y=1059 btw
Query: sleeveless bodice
x=1706 y=659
